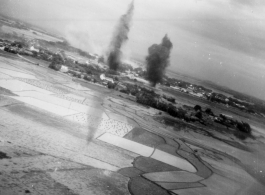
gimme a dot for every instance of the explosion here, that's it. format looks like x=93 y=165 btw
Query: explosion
x=158 y=60
x=119 y=38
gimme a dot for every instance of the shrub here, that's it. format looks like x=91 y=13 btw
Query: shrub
x=55 y=66
x=87 y=78
x=172 y=110
x=197 y=107
x=124 y=91
x=181 y=113
x=198 y=115
x=187 y=117
x=243 y=127
x=146 y=99
x=162 y=106
x=111 y=85
x=209 y=111
x=170 y=99
x=133 y=92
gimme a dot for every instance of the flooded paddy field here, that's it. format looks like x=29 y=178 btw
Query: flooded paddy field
x=65 y=136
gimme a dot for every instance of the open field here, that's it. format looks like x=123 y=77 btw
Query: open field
x=30 y=34
x=60 y=135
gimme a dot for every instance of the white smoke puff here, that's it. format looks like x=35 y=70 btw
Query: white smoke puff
x=79 y=36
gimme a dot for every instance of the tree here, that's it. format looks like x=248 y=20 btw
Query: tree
x=199 y=115
x=55 y=66
x=209 y=111
x=243 y=127
x=56 y=62
x=197 y=108
x=111 y=85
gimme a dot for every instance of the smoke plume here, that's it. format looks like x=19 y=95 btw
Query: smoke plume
x=119 y=38
x=158 y=60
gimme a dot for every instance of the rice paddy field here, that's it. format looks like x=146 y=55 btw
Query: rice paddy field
x=60 y=136
x=30 y=34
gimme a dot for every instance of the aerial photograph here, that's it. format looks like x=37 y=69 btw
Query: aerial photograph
x=132 y=97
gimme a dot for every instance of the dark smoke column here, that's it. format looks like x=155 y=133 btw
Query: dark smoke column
x=158 y=60
x=119 y=37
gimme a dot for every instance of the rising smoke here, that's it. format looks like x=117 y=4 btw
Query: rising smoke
x=119 y=38
x=158 y=60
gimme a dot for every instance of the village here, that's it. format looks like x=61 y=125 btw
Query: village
x=93 y=68
x=77 y=120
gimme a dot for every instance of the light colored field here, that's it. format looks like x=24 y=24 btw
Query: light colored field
x=29 y=34
x=11 y=66
x=126 y=144
x=117 y=117
x=147 y=151
x=44 y=101
x=59 y=110
x=75 y=97
x=77 y=86
x=50 y=141
x=4 y=76
x=16 y=86
x=15 y=73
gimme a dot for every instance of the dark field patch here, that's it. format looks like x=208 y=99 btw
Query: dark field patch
x=35 y=115
x=144 y=137
x=149 y=165
x=172 y=142
x=130 y=172
x=176 y=186
x=202 y=169
x=43 y=117
x=184 y=147
x=3 y=155
x=169 y=149
x=43 y=183
x=237 y=145
x=141 y=186
x=4 y=91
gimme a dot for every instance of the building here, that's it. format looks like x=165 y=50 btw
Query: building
x=175 y=87
x=106 y=79
x=34 y=49
x=196 y=94
x=64 y=69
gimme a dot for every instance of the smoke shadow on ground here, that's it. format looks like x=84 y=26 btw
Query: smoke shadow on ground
x=96 y=115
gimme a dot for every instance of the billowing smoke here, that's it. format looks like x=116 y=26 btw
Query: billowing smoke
x=81 y=37
x=119 y=37
x=158 y=60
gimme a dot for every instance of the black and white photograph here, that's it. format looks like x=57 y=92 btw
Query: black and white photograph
x=132 y=97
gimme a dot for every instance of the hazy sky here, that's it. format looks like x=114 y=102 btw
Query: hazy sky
x=218 y=40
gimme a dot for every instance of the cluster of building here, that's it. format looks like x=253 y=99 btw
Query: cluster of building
x=17 y=47
x=208 y=94
x=192 y=90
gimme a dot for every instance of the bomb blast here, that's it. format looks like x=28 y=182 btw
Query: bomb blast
x=158 y=60
x=119 y=38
